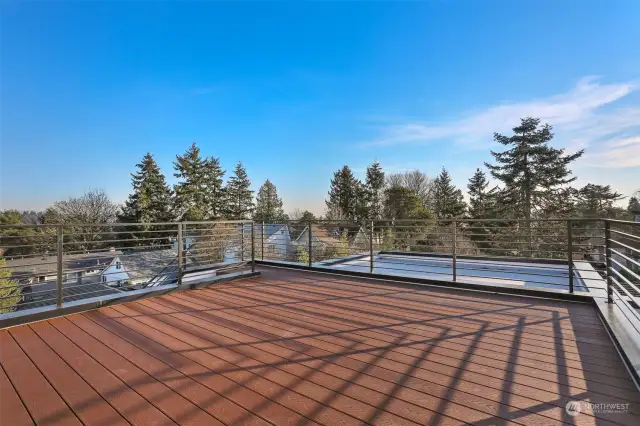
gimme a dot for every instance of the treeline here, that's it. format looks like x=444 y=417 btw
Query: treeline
x=533 y=181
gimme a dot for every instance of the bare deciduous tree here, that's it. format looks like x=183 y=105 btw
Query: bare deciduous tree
x=418 y=182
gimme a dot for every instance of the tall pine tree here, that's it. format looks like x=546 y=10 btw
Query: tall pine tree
x=345 y=195
x=375 y=186
x=480 y=199
x=150 y=200
x=190 y=196
x=213 y=189
x=239 y=195
x=533 y=173
x=268 y=204
x=448 y=200
x=597 y=200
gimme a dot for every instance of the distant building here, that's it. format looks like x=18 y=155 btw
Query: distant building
x=276 y=238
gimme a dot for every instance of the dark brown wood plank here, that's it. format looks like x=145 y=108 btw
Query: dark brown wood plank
x=253 y=401
x=90 y=407
x=137 y=410
x=41 y=399
x=12 y=410
x=166 y=400
x=478 y=392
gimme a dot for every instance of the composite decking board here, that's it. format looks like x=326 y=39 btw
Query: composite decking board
x=85 y=402
x=468 y=316
x=490 y=352
x=421 y=297
x=295 y=346
x=271 y=387
x=283 y=360
x=174 y=406
x=533 y=329
x=137 y=410
x=219 y=329
x=43 y=402
x=241 y=387
x=220 y=384
x=445 y=348
x=605 y=369
x=462 y=326
x=287 y=277
x=12 y=410
x=346 y=404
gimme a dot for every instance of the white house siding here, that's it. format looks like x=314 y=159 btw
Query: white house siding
x=114 y=276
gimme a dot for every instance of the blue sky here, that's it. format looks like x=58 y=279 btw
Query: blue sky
x=296 y=90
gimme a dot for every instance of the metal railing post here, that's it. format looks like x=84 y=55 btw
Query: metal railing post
x=570 y=254
x=242 y=242
x=253 y=247
x=607 y=245
x=60 y=253
x=262 y=240
x=180 y=254
x=453 y=246
x=310 y=245
x=371 y=249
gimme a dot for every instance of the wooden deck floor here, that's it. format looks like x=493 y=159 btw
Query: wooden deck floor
x=293 y=348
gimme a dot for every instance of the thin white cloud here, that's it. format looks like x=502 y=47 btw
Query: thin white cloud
x=577 y=114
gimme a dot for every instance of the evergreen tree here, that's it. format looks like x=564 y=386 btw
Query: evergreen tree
x=375 y=185
x=268 y=204
x=214 y=191
x=597 y=200
x=634 y=206
x=239 y=195
x=401 y=202
x=448 y=200
x=480 y=199
x=9 y=289
x=344 y=194
x=150 y=200
x=190 y=197
x=533 y=173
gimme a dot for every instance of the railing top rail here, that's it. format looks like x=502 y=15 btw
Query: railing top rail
x=625 y=222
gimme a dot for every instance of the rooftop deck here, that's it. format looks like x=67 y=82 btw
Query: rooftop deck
x=295 y=347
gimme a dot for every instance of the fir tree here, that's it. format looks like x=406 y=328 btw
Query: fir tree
x=345 y=195
x=150 y=200
x=448 y=200
x=374 y=187
x=634 y=206
x=479 y=196
x=268 y=204
x=190 y=197
x=239 y=195
x=533 y=173
x=214 y=191
x=597 y=200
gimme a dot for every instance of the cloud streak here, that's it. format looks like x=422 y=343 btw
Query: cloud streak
x=585 y=116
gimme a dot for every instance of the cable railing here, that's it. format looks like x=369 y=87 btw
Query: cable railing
x=53 y=264
x=597 y=256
